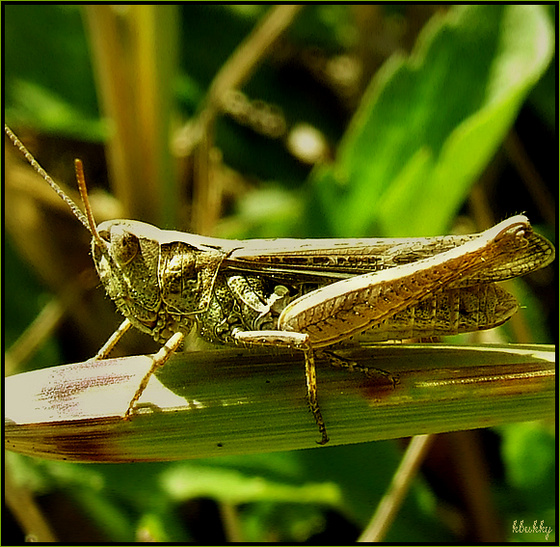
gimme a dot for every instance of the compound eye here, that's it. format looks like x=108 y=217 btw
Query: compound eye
x=105 y=235
x=124 y=246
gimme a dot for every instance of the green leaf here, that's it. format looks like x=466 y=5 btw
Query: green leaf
x=429 y=124
x=49 y=77
x=528 y=451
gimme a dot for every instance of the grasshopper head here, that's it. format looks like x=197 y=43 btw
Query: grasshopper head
x=126 y=259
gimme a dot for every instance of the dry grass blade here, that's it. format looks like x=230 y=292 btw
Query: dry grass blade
x=236 y=401
x=400 y=485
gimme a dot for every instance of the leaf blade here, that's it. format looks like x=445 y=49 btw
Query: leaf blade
x=239 y=401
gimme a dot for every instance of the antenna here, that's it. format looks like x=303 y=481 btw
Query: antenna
x=85 y=199
x=88 y=221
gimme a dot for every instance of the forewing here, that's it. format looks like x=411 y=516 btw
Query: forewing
x=325 y=261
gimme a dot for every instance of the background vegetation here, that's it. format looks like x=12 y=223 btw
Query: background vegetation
x=335 y=121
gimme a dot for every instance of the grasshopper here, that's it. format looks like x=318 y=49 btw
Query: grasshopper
x=299 y=293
